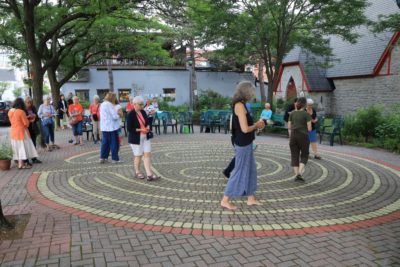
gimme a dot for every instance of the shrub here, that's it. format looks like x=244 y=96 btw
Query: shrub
x=212 y=100
x=6 y=152
x=166 y=106
x=85 y=104
x=388 y=133
x=364 y=122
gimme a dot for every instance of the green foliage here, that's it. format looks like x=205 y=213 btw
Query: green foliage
x=6 y=152
x=85 y=104
x=269 y=29
x=387 y=23
x=280 y=104
x=212 y=100
x=3 y=87
x=46 y=89
x=388 y=132
x=374 y=127
x=18 y=92
x=364 y=122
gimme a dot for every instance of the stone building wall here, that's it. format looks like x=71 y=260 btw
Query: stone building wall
x=351 y=94
x=322 y=102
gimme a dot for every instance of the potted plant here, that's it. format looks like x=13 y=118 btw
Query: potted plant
x=6 y=154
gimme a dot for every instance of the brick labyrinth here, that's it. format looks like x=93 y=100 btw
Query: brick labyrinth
x=341 y=192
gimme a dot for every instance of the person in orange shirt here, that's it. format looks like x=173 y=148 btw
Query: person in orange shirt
x=95 y=117
x=21 y=142
x=75 y=111
x=129 y=106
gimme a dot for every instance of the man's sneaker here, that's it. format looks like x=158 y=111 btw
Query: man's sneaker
x=317 y=157
x=117 y=162
x=299 y=178
x=102 y=161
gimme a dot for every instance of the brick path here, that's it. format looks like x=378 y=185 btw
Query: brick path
x=86 y=214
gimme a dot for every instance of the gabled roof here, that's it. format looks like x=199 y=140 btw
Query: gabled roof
x=312 y=67
x=359 y=59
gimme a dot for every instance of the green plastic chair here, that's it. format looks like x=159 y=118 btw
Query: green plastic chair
x=335 y=129
x=186 y=119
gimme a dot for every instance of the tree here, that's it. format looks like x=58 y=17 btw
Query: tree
x=388 y=23
x=124 y=32
x=34 y=27
x=269 y=29
x=179 y=14
x=18 y=92
x=3 y=87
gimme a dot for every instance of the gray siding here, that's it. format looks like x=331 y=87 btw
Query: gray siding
x=152 y=82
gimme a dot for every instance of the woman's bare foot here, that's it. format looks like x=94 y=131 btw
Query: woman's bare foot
x=228 y=205
x=254 y=203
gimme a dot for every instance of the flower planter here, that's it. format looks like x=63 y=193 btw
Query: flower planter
x=5 y=164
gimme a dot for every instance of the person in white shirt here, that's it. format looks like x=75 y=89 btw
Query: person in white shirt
x=155 y=104
x=109 y=126
x=120 y=112
x=150 y=111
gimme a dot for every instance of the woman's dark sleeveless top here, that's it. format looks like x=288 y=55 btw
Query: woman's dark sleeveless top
x=240 y=138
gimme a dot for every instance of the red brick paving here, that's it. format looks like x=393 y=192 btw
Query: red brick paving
x=48 y=238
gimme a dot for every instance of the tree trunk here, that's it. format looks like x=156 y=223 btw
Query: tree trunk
x=193 y=79
x=110 y=76
x=55 y=89
x=110 y=73
x=261 y=80
x=37 y=86
x=3 y=221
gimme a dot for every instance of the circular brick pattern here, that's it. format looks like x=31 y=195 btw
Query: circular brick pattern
x=341 y=191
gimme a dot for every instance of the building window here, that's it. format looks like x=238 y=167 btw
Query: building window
x=83 y=94
x=169 y=93
x=102 y=93
x=123 y=95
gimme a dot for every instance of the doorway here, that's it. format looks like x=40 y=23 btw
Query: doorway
x=291 y=91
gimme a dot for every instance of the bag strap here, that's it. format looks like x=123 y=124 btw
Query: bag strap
x=140 y=118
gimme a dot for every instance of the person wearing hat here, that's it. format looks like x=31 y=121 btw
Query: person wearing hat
x=313 y=133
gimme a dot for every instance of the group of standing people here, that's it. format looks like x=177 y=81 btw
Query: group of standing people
x=23 y=118
x=138 y=127
x=107 y=118
x=301 y=118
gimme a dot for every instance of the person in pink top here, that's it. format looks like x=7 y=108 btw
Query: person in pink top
x=139 y=139
x=95 y=117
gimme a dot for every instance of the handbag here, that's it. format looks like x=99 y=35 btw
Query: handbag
x=47 y=121
x=95 y=118
x=73 y=120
